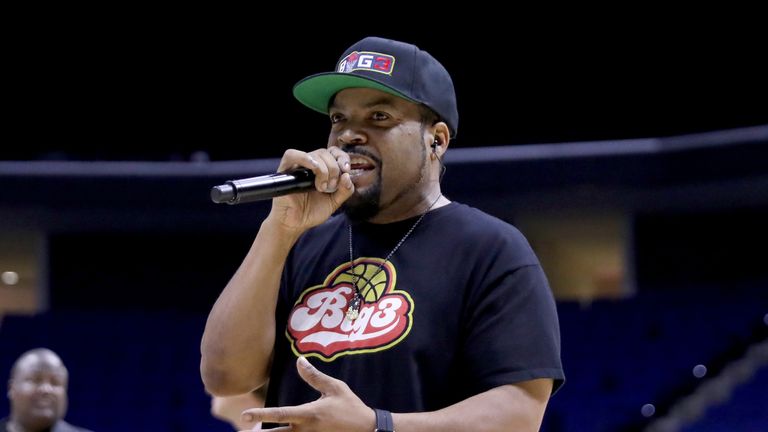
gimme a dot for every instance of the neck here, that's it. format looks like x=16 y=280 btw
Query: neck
x=14 y=426
x=426 y=202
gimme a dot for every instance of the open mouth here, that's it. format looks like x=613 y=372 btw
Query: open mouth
x=43 y=403
x=43 y=410
x=360 y=169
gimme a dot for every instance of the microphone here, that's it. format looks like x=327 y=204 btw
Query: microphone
x=263 y=187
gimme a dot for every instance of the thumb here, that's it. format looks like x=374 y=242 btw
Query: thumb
x=318 y=380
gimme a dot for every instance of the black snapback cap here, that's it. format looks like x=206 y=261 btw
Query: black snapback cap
x=394 y=67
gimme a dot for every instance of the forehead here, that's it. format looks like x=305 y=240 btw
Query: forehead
x=40 y=364
x=352 y=98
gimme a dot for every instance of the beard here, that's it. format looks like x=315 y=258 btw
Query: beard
x=363 y=206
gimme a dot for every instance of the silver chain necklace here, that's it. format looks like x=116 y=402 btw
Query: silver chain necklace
x=353 y=311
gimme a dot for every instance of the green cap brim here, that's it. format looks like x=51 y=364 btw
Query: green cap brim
x=317 y=90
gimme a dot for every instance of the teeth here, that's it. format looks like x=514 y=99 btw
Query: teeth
x=357 y=161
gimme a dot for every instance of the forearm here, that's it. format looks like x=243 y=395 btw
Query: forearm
x=503 y=409
x=240 y=331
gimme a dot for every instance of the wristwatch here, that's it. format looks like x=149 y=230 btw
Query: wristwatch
x=383 y=421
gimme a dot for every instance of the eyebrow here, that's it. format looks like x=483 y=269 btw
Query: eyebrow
x=386 y=101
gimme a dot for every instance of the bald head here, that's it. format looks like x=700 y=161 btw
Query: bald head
x=37 y=355
x=38 y=389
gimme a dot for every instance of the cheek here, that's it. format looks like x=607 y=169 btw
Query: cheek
x=23 y=391
x=401 y=171
x=411 y=159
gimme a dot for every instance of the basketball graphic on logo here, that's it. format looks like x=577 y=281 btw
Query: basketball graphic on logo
x=371 y=281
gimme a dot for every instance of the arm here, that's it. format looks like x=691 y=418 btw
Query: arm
x=240 y=332
x=512 y=407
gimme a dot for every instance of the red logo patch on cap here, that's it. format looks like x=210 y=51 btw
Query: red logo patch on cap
x=367 y=60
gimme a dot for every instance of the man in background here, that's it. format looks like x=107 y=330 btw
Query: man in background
x=37 y=390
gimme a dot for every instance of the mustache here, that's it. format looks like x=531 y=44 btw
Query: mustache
x=351 y=149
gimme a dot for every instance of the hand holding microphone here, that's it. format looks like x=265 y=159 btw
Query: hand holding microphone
x=330 y=165
x=263 y=187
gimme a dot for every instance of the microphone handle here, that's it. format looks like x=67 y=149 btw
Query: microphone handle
x=263 y=187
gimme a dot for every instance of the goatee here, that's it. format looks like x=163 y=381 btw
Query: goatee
x=363 y=206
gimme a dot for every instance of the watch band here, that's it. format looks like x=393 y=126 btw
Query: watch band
x=383 y=421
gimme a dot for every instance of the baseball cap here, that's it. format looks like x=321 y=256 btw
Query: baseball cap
x=394 y=67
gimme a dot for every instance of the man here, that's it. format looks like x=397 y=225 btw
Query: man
x=38 y=393
x=419 y=313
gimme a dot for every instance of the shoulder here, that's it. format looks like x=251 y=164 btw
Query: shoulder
x=478 y=229
x=474 y=220
x=62 y=426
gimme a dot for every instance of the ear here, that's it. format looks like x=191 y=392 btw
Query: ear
x=441 y=138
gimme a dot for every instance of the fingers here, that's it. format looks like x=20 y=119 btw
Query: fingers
x=345 y=190
x=345 y=187
x=289 y=414
x=337 y=163
x=295 y=158
x=257 y=427
x=328 y=165
x=278 y=429
x=341 y=157
x=318 y=380
x=328 y=180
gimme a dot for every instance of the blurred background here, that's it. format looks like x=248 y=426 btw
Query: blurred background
x=637 y=168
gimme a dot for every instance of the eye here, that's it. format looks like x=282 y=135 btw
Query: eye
x=378 y=115
x=336 y=117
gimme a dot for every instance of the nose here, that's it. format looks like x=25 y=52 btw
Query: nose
x=351 y=136
x=45 y=388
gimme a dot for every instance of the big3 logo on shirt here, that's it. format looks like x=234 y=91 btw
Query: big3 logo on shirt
x=318 y=325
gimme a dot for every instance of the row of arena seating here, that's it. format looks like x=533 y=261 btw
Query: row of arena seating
x=140 y=371
x=745 y=410
x=620 y=355
x=129 y=371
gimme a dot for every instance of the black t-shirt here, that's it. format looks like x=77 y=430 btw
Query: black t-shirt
x=60 y=426
x=461 y=307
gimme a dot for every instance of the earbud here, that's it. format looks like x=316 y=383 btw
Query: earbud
x=437 y=156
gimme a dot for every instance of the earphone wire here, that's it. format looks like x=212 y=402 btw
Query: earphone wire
x=440 y=160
